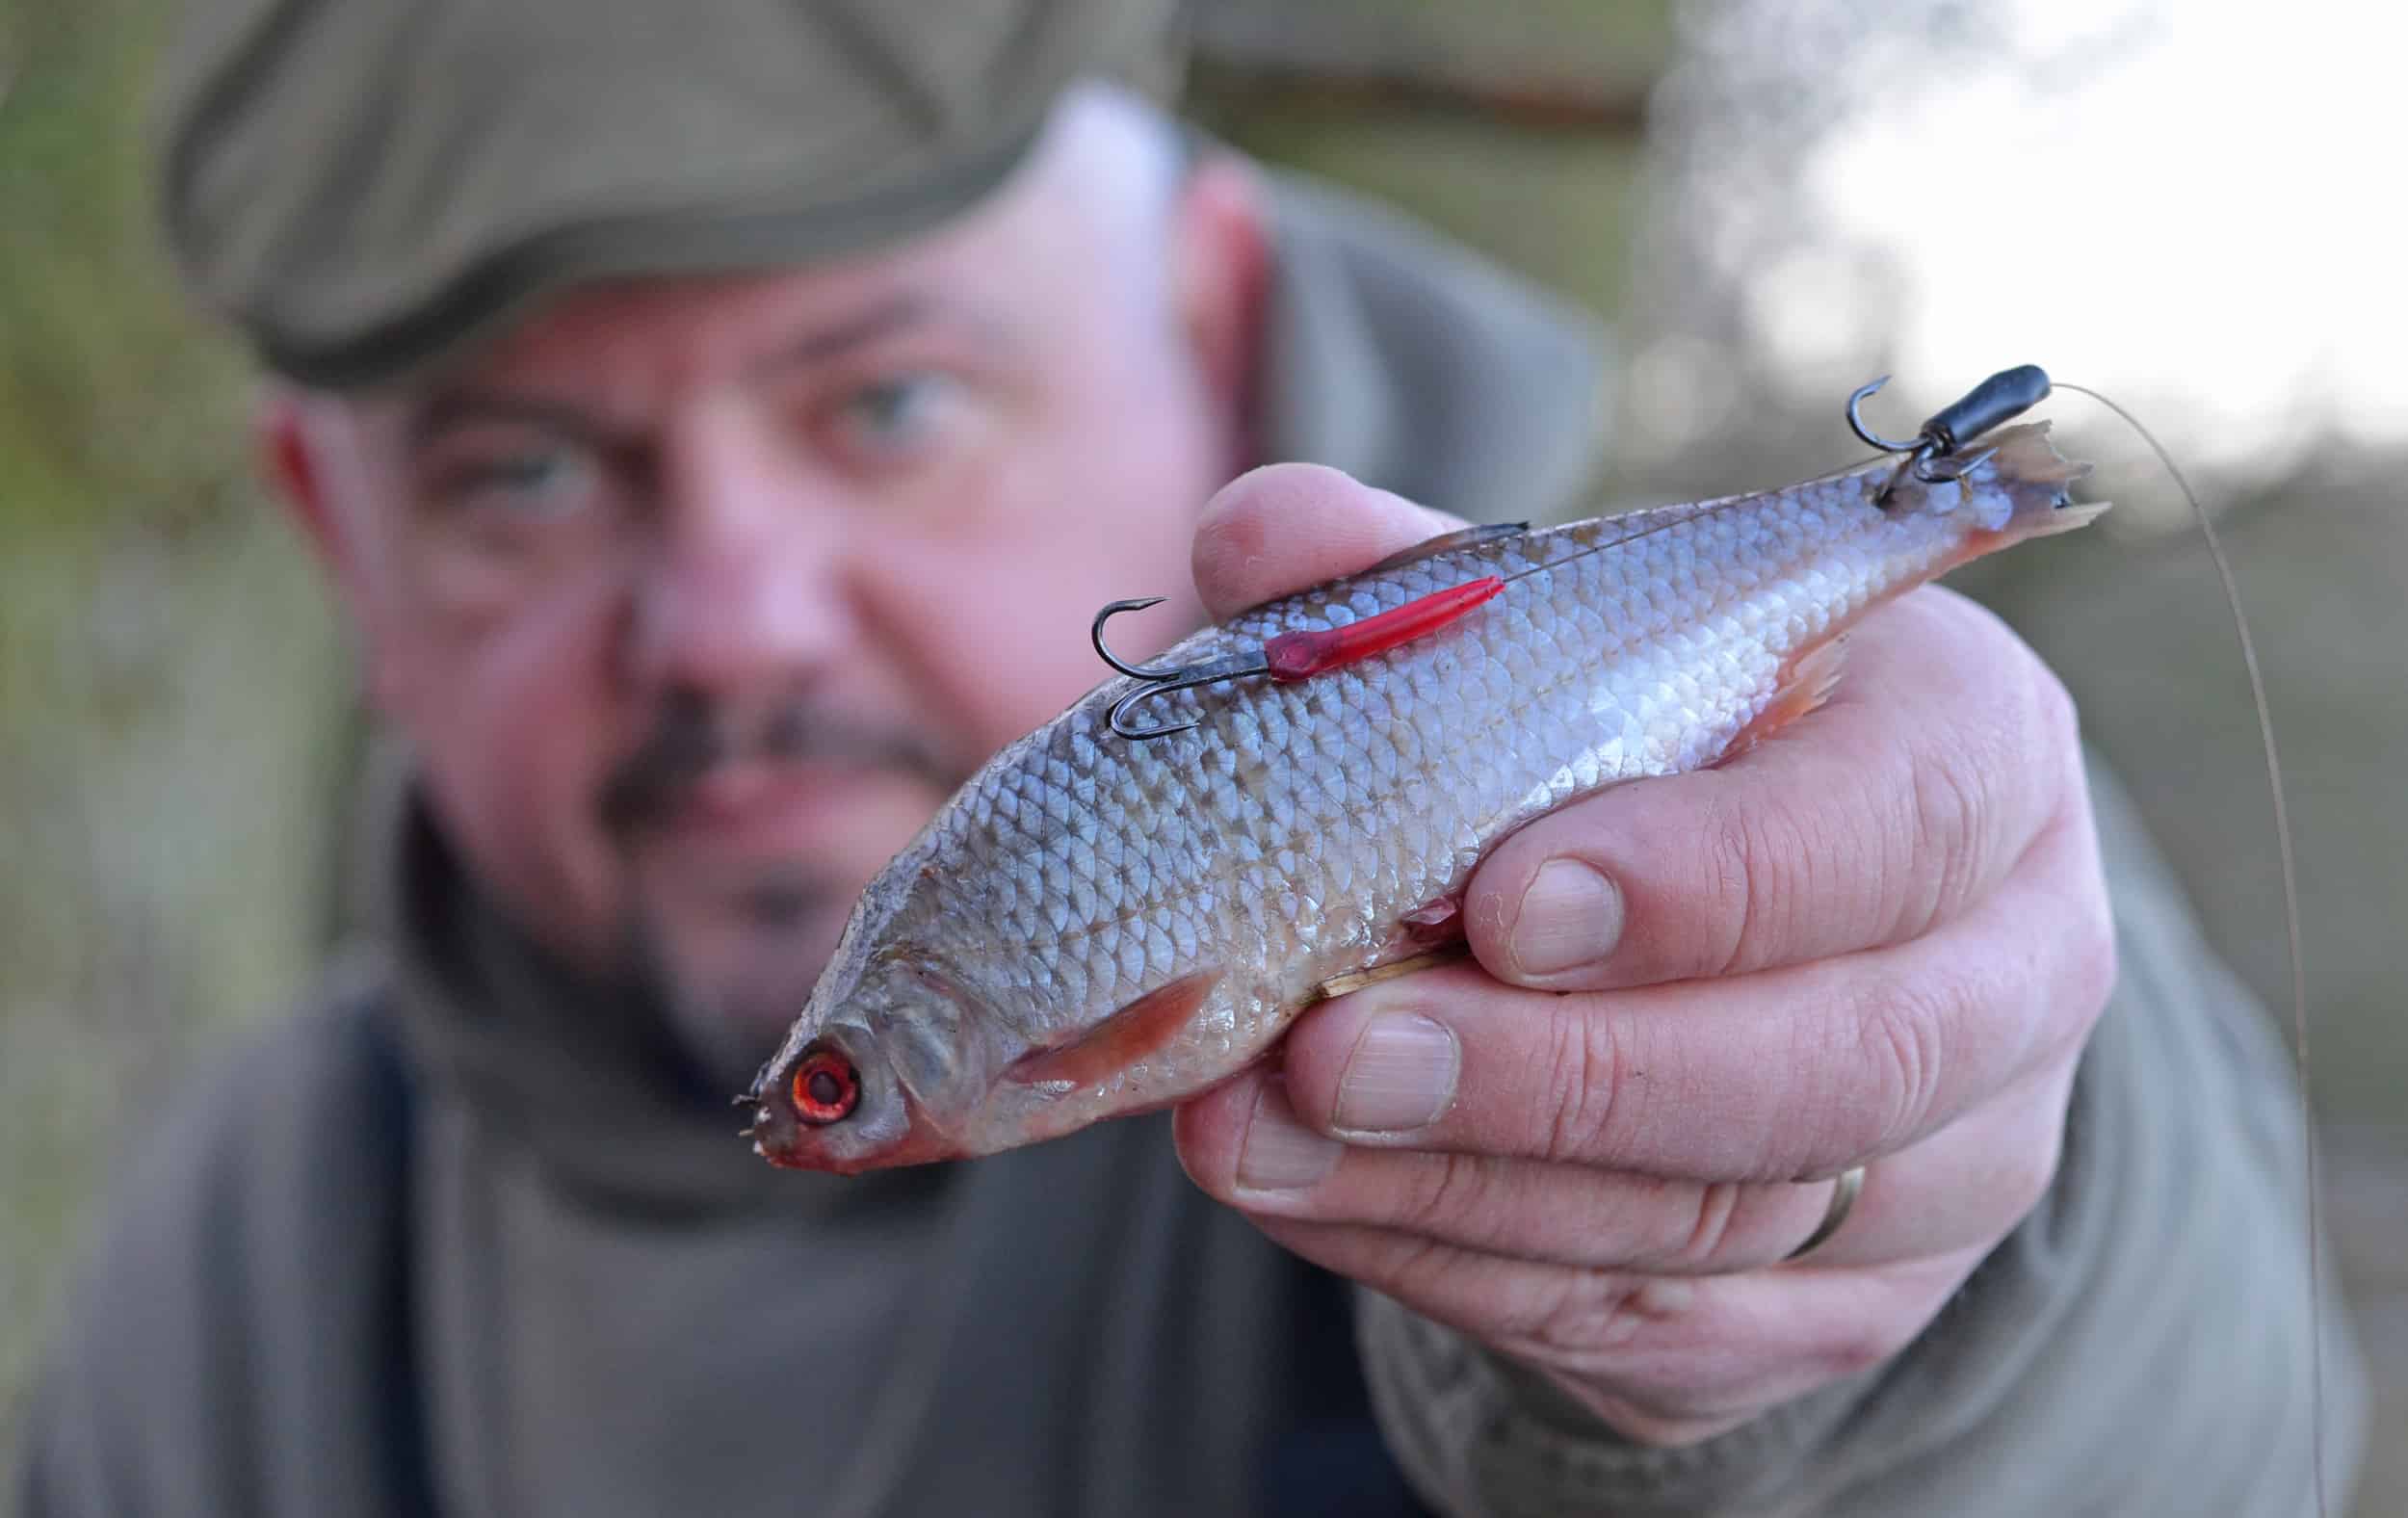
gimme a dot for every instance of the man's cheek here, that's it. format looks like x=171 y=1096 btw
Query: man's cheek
x=518 y=731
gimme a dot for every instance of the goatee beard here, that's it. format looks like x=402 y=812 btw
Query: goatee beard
x=732 y=983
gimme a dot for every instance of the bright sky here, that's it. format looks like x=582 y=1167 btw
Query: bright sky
x=2204 y=220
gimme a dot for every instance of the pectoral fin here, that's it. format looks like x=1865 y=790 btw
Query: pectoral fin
x=1121 y=1040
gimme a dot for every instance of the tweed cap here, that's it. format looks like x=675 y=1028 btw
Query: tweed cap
x=362 y=185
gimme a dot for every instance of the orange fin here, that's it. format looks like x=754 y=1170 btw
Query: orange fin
x=1121 y=1040
x=1806 y=684
x=1447 y=542
x=1435 y=920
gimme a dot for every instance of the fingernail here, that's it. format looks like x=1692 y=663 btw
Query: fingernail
x=1571 y=916
x=1281 y=1153
x=1401 y=1076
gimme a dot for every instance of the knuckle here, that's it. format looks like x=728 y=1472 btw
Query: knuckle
x=1450 y=1192
x=1583 y=1077
x=1899 y=1039
x=1581 y=1313
x=1420 y=1269
x=1952 y=808
x=1707 y=1237
x=1724 y=880
x=1737 y=850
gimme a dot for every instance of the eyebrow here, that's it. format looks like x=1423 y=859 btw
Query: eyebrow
x=462 y=404
x=898 y=312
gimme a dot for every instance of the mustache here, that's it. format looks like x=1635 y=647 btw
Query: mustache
x=692 y=737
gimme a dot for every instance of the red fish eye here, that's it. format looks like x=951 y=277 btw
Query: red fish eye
x=826 y=1087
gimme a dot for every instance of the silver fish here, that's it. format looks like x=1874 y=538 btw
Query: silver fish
x=1095 y=926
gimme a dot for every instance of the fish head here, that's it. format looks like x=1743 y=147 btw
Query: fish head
x=887 y=1063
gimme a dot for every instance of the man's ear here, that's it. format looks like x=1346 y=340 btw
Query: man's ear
x=291 y=462
x=280 y=435
x=1221 y=269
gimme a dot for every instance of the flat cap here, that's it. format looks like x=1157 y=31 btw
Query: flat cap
x=362 y=185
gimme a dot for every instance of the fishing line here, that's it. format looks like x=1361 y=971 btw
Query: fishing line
x=2291 y=924
x=1998 y=397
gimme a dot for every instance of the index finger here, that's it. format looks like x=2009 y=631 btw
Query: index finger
x=1945 y=750
x=1286 y=527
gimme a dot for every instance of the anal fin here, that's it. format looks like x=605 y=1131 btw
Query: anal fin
x=1806 y=683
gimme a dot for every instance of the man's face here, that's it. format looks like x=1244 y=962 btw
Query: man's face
x=697 y=597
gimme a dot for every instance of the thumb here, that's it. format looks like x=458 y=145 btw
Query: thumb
x=1284 y=527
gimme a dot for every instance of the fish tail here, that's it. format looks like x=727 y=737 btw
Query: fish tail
x=2020 y=488
x=2038 y=483
x=2057 y=519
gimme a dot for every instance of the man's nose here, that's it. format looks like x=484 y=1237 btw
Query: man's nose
x=743 y=586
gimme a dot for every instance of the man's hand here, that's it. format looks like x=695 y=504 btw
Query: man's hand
x=1878 y=939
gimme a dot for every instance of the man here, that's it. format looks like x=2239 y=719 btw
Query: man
x=718 y=429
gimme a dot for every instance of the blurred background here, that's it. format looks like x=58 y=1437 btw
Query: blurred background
x=1769 y=204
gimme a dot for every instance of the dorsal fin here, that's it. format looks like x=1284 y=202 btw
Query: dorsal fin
x=1447 y=542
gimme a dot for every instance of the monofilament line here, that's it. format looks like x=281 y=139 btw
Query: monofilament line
x=2291 y=923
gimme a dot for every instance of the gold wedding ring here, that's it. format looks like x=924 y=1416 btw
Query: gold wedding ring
x=1843 y=1201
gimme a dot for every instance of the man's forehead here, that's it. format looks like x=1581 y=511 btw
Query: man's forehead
x=622 y=346
x=751 y=326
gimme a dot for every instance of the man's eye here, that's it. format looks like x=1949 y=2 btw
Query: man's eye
x=548 y=481
x=897 y=415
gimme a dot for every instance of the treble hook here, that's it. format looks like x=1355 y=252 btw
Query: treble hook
x=1161 y=680
x=1297 y=654
x=1997 y=400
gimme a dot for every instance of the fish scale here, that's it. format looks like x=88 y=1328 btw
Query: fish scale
x=1098 y=925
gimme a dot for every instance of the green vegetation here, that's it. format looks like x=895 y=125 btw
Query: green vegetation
x=170 y=688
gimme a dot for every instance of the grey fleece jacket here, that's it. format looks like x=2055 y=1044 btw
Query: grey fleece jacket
x=460 y=1237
